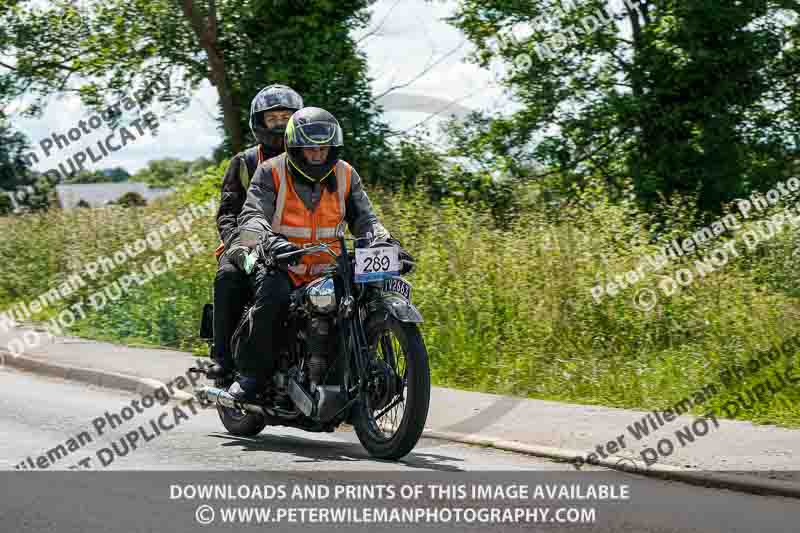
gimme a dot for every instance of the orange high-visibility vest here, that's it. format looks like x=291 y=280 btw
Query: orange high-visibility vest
x=302 y=226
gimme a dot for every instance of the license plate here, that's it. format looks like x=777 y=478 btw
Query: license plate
x=375 y=264
x=400 y=286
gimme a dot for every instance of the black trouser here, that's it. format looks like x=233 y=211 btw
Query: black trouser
x=255 y=343
x=231 y=293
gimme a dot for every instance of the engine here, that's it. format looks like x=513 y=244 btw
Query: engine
x=320 y=347
x=320 y=303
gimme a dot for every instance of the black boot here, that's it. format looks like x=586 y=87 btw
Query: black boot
x=247 y=390
x=231 y=293
x=221 y=374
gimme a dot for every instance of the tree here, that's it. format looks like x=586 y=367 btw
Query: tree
x=108 y=175
x=13 y=168
x=116 y=174
x=15 y=177
x=170 y=171
x=692 y=98
x=119 y=46
x=131 y=199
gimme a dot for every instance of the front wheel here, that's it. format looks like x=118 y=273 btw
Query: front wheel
x=392 y=413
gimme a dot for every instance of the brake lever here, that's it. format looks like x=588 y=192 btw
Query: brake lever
x=283 y=257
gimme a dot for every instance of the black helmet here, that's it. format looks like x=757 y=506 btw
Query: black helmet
x=271 y=98
x=312 y=127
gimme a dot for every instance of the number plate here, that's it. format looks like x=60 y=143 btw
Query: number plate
x=398 y=285
x=379 y=263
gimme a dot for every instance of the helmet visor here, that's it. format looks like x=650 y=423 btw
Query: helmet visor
x=313 y=134
x=276 y=98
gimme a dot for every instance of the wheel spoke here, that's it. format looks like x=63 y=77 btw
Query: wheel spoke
x=389 y=350
x=389 y=407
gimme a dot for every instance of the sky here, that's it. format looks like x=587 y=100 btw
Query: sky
x=409 y=35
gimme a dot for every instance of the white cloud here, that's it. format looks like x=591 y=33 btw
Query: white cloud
x=412 y=36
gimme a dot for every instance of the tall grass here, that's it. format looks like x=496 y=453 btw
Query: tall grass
x=507 y=309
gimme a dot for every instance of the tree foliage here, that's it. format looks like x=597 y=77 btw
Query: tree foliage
x=170 y=172
x=106 y=175
x=131 y=199
x=15 y=177
x=104 y=50
x=690 y=97
x=13 y=146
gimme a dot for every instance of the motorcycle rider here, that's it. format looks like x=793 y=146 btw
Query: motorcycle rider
x=296 y=198
x=270 y=111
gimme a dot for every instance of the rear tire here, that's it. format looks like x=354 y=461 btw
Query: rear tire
x=240 y=423
x=416 y=392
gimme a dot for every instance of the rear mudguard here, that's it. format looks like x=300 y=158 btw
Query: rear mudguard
x=397 y=306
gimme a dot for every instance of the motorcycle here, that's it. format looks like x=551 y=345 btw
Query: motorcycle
x=352 y=353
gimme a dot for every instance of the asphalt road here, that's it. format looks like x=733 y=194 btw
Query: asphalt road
x=40 y=413
x=37 y=414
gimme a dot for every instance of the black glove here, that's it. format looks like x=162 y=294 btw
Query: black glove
x=406 y=261
x=280 y=247
x=241 y=256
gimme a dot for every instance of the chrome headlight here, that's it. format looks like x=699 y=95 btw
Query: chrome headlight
x=321 y=296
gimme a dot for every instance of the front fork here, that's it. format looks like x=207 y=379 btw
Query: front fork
x=354 y=352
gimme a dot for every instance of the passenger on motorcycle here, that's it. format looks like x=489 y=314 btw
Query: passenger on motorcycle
x=295 y=198
x=270 y=111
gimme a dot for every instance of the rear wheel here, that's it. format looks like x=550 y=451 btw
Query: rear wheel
x=241 y=423
x=391 y=416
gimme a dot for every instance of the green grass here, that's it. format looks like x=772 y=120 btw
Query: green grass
x=507 y=310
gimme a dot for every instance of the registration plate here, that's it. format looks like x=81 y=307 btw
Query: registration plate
x=398 y=285
x=375 y=264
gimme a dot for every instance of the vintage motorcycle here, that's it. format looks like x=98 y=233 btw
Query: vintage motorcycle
x=351 y=352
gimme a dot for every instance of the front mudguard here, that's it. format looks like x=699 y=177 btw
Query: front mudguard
x=397 y=306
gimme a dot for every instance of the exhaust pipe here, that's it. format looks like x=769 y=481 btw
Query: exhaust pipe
x=222 y=398
x=300 y=397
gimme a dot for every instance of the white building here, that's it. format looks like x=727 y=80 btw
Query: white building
x=100 y=194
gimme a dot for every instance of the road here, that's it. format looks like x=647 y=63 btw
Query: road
x=40 y=413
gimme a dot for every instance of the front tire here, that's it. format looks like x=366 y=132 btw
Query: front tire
x=399 y=346
x=241 y=424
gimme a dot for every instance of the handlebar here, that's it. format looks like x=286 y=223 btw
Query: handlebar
x=318 y=247
x=289 y=255
x=314 y=248
x=308 y=249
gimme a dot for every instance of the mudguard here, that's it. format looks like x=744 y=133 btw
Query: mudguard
x=397 y=306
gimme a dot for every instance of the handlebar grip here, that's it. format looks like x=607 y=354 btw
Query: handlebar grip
x=289 y=255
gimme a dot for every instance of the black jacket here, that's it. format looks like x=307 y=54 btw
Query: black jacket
x=259 y=207
x=234 y=193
